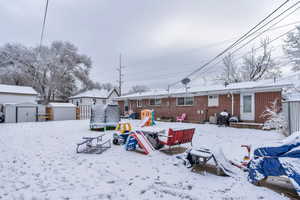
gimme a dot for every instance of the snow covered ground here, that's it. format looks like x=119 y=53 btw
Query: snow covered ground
x=38 y=161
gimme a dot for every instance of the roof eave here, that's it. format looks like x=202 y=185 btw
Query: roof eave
x=201 y=93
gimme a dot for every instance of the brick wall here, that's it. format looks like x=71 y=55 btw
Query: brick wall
x=200 y=110
x=262 y=100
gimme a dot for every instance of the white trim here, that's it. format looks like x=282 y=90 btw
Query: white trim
x=247 y=116
x=213 y=102
x=139 y=105
x=185 y=101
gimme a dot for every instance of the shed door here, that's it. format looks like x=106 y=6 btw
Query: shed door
x=26 y=114
x=247 y=107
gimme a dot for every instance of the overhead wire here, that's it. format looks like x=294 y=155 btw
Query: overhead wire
x=44 y=24
x=242 y=38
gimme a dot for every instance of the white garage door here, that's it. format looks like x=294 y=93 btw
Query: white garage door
x=26 y=114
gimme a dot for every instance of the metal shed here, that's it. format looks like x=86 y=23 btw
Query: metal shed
x=291 y=111
x=20 y=112
x=61 y=111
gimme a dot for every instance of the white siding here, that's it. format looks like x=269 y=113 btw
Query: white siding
x=16 y=98
x=10 y=113
x=64 y=113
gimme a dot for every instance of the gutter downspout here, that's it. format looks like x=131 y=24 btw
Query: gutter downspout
x=232 y=104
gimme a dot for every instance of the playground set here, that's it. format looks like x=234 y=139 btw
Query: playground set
x=278 y=160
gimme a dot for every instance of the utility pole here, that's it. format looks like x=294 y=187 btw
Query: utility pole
x=119 y=69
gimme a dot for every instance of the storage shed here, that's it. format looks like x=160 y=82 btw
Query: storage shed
x=61 y=111
x=20 y=112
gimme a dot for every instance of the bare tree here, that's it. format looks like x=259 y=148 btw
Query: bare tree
x=230 y=73
x=138 y=89
x=254 y=66
x=257 y=67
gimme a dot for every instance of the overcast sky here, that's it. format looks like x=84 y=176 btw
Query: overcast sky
x=161 y=41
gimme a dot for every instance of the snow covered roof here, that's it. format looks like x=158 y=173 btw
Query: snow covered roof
x=95 y=93
x=264 y=85
x=14 y=89
x=61 y=105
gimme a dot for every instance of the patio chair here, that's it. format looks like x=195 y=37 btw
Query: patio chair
x=181 y=118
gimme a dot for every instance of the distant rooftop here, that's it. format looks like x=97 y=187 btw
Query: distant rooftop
x=95 y=93
x=15 y=89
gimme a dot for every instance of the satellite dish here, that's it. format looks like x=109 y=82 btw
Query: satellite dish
x=185 y=81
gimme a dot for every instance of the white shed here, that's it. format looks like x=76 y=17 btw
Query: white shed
x=20 y=112
x=62 y=111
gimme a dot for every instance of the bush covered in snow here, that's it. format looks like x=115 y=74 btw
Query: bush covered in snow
x=275 y=118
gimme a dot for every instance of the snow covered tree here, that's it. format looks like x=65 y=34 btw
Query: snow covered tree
x=107 y=86
x=275 y=118
x=230 y=73
x=292 y=48
x=138 y=89
x=253 y=67
x=257 y=67
x=55 y=71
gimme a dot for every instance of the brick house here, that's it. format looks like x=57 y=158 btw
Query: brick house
x=246 y=100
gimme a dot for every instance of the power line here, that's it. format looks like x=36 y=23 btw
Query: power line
x=44 y=23
x=268 y=28
x=234 y=44
x=223 y=42
x=255 y=49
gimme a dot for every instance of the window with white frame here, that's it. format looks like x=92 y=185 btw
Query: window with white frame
x=155 y=102
x=185 y=101
x=139 y=103
x=213 y=100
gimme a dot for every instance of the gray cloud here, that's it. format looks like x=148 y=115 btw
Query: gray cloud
x=161 y=41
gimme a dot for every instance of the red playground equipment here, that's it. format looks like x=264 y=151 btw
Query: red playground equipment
x=177 y=137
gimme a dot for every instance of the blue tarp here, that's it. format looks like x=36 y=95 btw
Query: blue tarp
x=283 y=159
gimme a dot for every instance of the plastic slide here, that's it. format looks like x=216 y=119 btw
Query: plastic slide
x=143 y=142
x=145 y=121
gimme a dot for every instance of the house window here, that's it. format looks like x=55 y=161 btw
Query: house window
x=139 y=103
x=126 y=106
x=155 y=102
x=247 y=104
x=185 y=101
x=213 y=100
x=104 y=101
